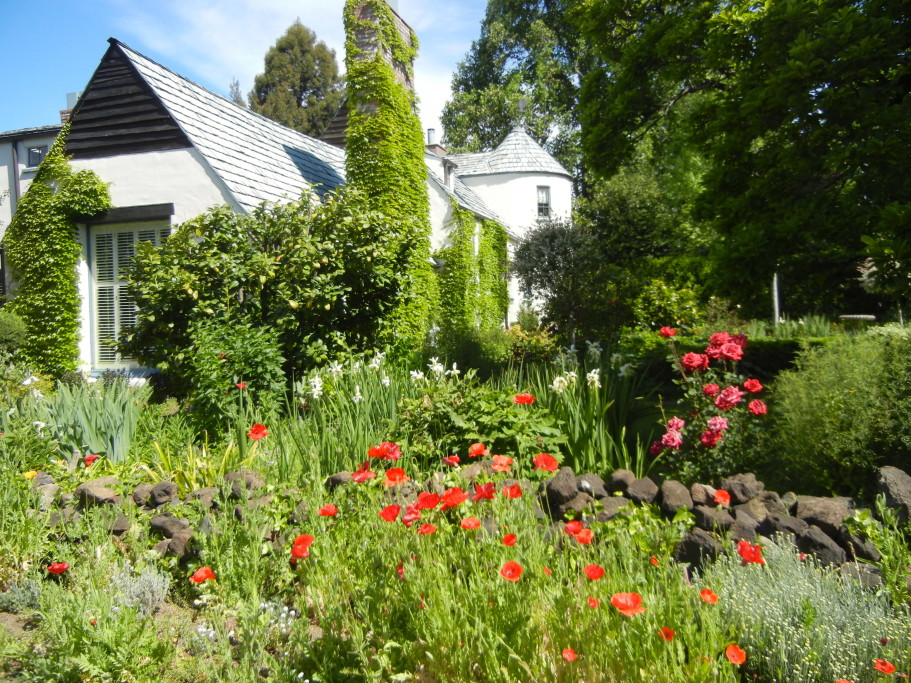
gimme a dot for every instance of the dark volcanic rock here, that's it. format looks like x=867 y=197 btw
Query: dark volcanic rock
x=168 y=525
x=826 y=513
x=164 y=492
x=619 y=481
x=744 y=528
x=578 y=504
x=120 y=525
x=674 y=496
x=772 y=503
x=896 y=485
x=593 y=485
x=643 y=490
x=244 y=482
x=815 y=541
x=754 y=508
x=204 y=495
x=561 y=488
x=713 y=518
x=97 y=492
x=338 y=479
x=142 y=494
x=742 y=487
x=866 y=575
x=612 y=507
x=697 y=547
x=856 y=547
x=782 y=524
x=702 y=494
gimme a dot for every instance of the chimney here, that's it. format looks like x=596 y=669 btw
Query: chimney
x=432 y=146
x=71 y=99
x=366 y=39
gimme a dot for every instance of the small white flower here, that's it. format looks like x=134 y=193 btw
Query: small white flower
x=559 y=384
x=416 y=376
x=91 y=380
x=436 y=367
x=594 y=349
x=386 y=381
x=626 y=370
x=356 y=366
x=316 y=386
x=31 y=379
x=375 y=363
x=357 y=398
x=594 y=379
x=571 y=377
x=37 y=394
x=335 y=369
x=39 y=425
x=137 y=382
x=454 y=372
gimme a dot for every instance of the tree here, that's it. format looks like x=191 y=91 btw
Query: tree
x=528 y=51
x=799 y=109
x=300 y=87
x=234 y=93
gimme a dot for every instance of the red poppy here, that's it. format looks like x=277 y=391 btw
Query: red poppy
x=735 y=655
x=708 y=596
x=843 y=680
x=572 y=528
x=427 y=529
x=569 y=655
x=476 y=450
x=484 y=492
x=363 y=473
x=511 y=571
x=883 y=666
x=453 y=497
x=594 y=571
x=203 y=574
x=305 y=540
x=451 y=460
x=257 y=431
x=470 y=523
x=514 y=491
x=428 y=501
x=547 y=571
x=391 y=512
x=299 y=551
x=629 y=604
x=594 y=603
x=400 y=570
x=509 y=539
x=328 y=510
x=666 y=633
x=524 y=399
x=653 y=560
x=57 y=567
x=546 y=462
x=241 y=385
x=501 y=463
x=412 y=514
x=750 y=554
x=385 y=451
x=667 y=332
x=585 y=536
x=395 y=476
x=722 y=497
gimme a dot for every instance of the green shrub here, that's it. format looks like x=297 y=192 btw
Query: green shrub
x=12 y=333
x=844 y=411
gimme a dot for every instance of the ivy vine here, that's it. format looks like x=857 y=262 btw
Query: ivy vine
x=42 y=251
x=385 y=158
x=472 y=282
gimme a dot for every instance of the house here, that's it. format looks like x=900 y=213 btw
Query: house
x=171 y=149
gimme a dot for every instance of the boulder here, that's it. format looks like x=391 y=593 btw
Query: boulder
x=243 y=482
x=866 y=575
x=772 y=503
x=619 y=481
x=163 y=492
x=744 y=528
x=612 y=507
x=742 y=487
x=674 y=496
x=895 y=484
x=789 y=500
x=697 y=547
x=205 y=495
x=97 y=492
x=593 y=485
x=855 y=547
x=120 y=525
x=578 y=504
x=179 y=545
x=338 y=479
x=702 y=494
x=642 y=490
x=470 y=472
x=561 y=488
x=713 y=518
x=142 y=494
x=816 y=542
x=168 y=524
x=782 y=524
x=826 y=513
x=64 y=516
x=47 y=495
x=754 y=508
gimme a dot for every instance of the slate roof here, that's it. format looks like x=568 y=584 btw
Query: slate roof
x=466 y=197
x=518 y=153
x=28 y=132
x=257 y=158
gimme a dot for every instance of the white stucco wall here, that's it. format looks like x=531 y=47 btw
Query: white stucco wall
x=440 y=215
x=514 y=196
x=22 y=175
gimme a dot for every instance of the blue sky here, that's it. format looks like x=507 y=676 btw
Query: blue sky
x=51 y=47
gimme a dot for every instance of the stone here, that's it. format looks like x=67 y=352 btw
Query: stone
x=744 y=528
x=612 y=507
x=619 y=481
x=857 y=548
x=703 y=494
x=243 y=482
x=782 y=524
x=866 y=575
x=772 y=503
x=578 y=504
x=42 y=479
x=593 y=485
x=470 y=472
x=142 y=494
x=789 y=500
x=64 y=516
x=120 y=525
x=816 y=542
x=674 y=496
x=895 y=484
x=697 y=547
x=179 y=544
x=561 y=488
x=300 y=513
x=97 y=492
x=162 y=547
x=168 y=524
x=435 y=484
x=742 y=487
x=163 y=492
x=206 y=496
x=642 y=490
x=754 y=508
x=826 y=513
x=712 y=518
x=338 y=479
x=47 y=495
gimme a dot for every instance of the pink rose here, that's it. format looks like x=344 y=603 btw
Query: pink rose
x=675 y=424
x=713 y=352
x=719 y=339
x=710 y=438
x=731 y=352
x=694 y=361
x=754 y=386
x=655 y=449
x=740 y=340
x=711 y=390
x=673 y=440
x=717 y=423
x=728 y=398
x=757 y=407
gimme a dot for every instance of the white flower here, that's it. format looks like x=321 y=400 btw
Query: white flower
x=335 y=369
x=436 y=367
x=386 y=381
x=416 y=376
x=37 y=394
x=31 y=379
x=616 y=359
x=454 y=372
x=571 y=377
x=594 y=379
x=316 y=386
x=356 y=366
x=375 y=363
x=91 y=380
x=626 y=370
x=137 y=382
x=357 y=398
x=594 y=349
x=559 y=384
x=37 y=424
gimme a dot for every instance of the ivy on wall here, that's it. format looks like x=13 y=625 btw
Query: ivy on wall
x=385 y=155
x=42 y=251
x=472 y=282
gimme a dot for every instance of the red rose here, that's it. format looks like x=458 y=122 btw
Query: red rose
x=754 y=386
x=757 y=407
x=667 y=332
x=695 y=361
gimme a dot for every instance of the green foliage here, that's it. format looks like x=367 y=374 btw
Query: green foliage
x=300 y=87
x=843 y=412
x=798 y=622
x=12 y=333
x=42 y=252
x=385 y=157
x=892 y=540
x=322 y=277
x=530 y=345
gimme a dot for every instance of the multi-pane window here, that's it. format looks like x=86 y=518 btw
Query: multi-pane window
x=113 y=249
x=543 y=201
x=36 y=155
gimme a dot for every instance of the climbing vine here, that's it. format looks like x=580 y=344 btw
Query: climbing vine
x=42 y=251
x=385 y=154
x=472 y=282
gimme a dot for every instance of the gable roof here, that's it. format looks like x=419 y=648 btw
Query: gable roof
x=518 y=153
x=256 y=158
x=465 y=196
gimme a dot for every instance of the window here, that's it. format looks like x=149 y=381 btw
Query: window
x=36 y=155
x=543 y=201
x=115 y=312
